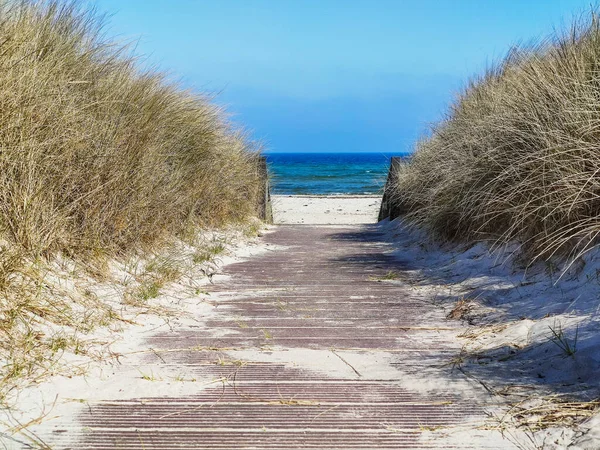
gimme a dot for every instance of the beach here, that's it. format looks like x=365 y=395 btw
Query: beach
x=386 y=305
x=313 y=225
x=325 y=210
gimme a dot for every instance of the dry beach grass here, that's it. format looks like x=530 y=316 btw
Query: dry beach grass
x=98 y=158
x=516 y=158
x=515 y=164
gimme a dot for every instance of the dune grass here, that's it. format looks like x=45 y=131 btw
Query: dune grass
x=517 y=157
x=98 y=158
x=97 y=154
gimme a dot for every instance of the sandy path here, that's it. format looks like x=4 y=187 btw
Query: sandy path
x=304 y=346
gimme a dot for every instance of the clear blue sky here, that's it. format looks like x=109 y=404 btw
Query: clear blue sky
x=332 y=75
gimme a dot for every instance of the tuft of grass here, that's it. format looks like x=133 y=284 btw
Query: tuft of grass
x=253 y=229
x=148 y=291
x=266 y=334
x=390 y=275
x=164 y=270
x=568 y=346
x=516 y=157
x=209 y=253
x=149 y=376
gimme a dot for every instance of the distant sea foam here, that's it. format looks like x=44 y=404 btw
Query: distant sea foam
x=329 y=173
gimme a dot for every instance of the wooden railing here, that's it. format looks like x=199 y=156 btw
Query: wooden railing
x=388 y=210
x=265 y=210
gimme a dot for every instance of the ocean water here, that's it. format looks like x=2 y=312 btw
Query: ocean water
x=328 y=173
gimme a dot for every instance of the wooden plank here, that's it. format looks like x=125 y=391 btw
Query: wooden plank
x=265 y=210
x=388 y=208
x=330 y=375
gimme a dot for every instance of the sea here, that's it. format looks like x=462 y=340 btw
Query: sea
x=329 y=173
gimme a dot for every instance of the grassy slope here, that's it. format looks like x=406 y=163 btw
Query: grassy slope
x=98 y=159
x=518 y=154
x=517 y=160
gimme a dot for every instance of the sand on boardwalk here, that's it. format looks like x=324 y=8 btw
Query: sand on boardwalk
x=506 y=338
x=325 y=210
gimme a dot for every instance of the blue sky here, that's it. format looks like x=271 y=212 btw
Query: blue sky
x=332 y=75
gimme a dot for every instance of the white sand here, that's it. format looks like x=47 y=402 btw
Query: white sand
x=521 y=325
x=81 y=380
x=325 y=210
x=508 y=340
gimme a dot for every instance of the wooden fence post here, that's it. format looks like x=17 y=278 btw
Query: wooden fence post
x=387 y=207
x=265 y=210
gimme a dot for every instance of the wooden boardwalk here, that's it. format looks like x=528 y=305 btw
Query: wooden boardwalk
x=307 y=348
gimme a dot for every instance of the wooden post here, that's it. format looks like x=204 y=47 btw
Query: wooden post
x=387 y=207
x=265 y=211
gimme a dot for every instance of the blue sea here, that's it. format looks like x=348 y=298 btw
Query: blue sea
x=328 y=173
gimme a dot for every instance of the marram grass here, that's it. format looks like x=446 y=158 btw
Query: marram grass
x=97 y=154
x=517 y=157
x=98 y=159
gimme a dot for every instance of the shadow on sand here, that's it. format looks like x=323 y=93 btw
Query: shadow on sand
x=537 y=361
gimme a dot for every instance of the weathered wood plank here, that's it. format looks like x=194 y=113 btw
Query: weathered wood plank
x=265 y=210
x=388 y=210
x=306 y=347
